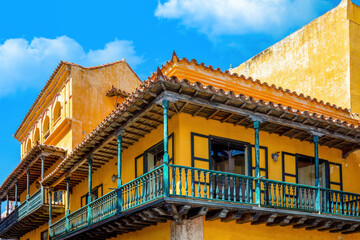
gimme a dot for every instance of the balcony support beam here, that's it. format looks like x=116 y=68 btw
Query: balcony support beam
x=317 y=180
x=119 y=136
x=67 y=212
x=27 y=183
x=257 y=162
x=90 y=188
x=165 y=105
x=50 y=211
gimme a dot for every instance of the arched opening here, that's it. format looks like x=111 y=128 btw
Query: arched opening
x=57 y=111
x=46 y=127
x=28 y=146
x=37 y=136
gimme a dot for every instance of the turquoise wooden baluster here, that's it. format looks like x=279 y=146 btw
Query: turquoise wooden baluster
x=284 y=195
x=223 y=187
x=352 y=205
x=180 y=184
x=341 y=203
x=229 y=188
x=294 y=196
x=205 y=186
x=234 y=193
x=345 y=205
x=279 y=188
x=174 y=180
x=270 y=197
x=250 y=191
x=240 y=190
x=199 y=187
x=302 y=198
x=357 y=206
x=217 y=186
x=192 y=183
x=289 y=197
x=211 y=186
x=186 y=182
x=265 y=192
x=275 y=193
x=311 y=199
x=307 y=199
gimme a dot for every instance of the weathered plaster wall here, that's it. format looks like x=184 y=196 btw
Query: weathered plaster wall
x=90 y=104
x=314 y=60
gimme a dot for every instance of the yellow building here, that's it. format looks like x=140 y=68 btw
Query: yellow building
x=194 y=152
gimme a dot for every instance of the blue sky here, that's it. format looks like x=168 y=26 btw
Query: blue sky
x=36 y=35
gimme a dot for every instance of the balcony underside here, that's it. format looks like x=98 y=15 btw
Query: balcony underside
x=30 y=222
x=178 y=209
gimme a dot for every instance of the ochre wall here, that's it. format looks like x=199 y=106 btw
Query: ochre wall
x=314 y=60
x=90 y=103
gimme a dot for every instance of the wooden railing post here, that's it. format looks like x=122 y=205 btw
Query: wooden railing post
x=27 y=183
x=165 y=106
x=257 y=163
x=67 y=225
x=119 y=182
x=0 y=208
x=50 y=211
x=90 y=188
x=317 y=180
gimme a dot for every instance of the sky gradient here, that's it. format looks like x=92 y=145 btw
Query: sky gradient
x=35 y=36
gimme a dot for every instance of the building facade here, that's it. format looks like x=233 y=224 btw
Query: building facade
x=194 y=152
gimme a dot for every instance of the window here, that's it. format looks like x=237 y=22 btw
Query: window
x=57 y=112
x=95 y=194
x=153 y=157
x=44 y=235
x=37 y=136
x=306 y=171
x=46 y=127
x=229 y=156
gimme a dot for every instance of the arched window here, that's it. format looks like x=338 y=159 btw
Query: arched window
x=57 y=111
x=46 y=127
x=37 y=136
x=28 y=146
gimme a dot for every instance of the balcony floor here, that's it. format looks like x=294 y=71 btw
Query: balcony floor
x=30 y=222
x=177 y=209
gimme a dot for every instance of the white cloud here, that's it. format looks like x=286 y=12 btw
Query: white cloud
x=229 y=17
x=25 y=64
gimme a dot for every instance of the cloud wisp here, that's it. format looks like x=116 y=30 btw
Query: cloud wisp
x=239 y=17
x=27 y=65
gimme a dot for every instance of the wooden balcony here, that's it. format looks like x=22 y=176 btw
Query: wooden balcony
x=32 y=213
x=187 y=193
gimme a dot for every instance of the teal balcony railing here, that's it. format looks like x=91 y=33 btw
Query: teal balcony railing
x=141 y=190
x=37 y=203
x=202 y=184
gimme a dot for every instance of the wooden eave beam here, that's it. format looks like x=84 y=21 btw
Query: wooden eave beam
x=171 y=96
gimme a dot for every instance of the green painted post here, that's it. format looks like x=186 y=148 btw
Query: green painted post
x=165 y=105
x=50 y=211
x=90 y=188
x=119 y=182
x=42 y=177
x=317 y=180
x=257 y=162
x=67 y=204
x=119 y=140
x=27 y=183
